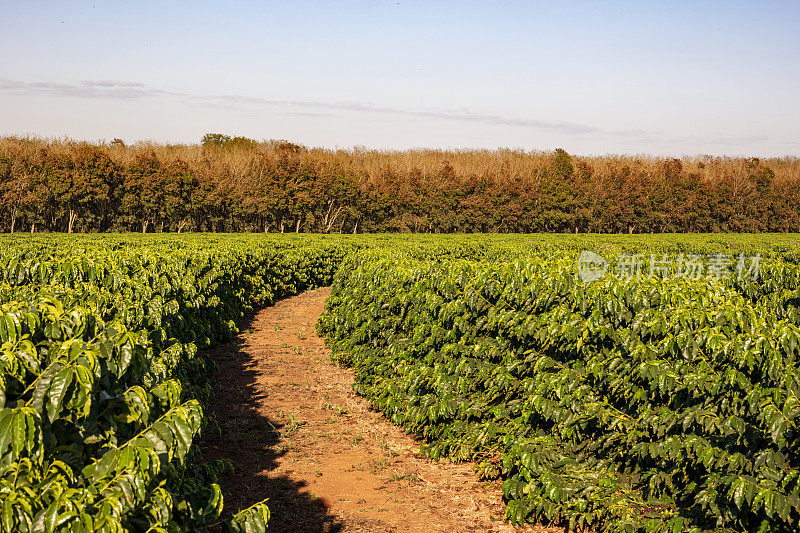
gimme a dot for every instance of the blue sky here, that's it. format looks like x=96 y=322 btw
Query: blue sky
x=591 y=77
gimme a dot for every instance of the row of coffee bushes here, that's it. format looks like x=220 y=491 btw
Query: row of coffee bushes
x=101 y=383
x=643 y=404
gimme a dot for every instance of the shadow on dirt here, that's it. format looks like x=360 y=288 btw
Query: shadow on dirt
x=251 y=441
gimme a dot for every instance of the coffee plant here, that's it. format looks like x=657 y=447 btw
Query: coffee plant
x=639 y=405
x=658 y=405
x=102 y=384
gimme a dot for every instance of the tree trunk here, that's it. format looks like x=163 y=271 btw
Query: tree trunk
x=330 y=217
x=327 y=215
x=145 y=223
x=13 y=221
x=33 y=227
x=329 y=221
x=297 y=224
x=72 y=217
x=181 y=225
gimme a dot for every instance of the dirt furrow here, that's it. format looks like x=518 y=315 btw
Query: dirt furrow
x=298 y=435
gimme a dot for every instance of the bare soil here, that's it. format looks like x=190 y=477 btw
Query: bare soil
x=298 y=435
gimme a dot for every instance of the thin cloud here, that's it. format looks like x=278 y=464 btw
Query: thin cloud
x=133 y=90
x=114 y=83
x=628 y=133
x=661 y=138
x=129 y=90
x=102 y=89
x=304 y=114
x=457 y=115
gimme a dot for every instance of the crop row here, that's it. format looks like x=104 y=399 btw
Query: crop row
x=102 y=384
x=651 y=404
x=639 y=405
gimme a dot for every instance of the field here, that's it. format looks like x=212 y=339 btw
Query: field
x=663 y=396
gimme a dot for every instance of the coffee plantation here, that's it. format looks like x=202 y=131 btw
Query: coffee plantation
x=101 y=381
x=656 y=405
x=641 y=404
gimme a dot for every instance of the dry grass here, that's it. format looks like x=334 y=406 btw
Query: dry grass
x=500 y=165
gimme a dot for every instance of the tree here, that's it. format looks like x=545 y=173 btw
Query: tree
x=79 y=181
x=144 y=191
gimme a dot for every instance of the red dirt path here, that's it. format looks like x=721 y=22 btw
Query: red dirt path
x=298 y=435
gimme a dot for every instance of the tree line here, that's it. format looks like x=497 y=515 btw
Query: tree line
x=236 y=184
